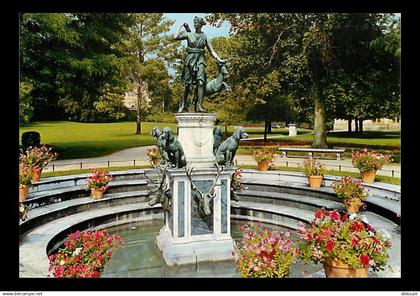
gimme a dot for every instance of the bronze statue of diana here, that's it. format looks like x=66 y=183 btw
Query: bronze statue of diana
x=195 y=63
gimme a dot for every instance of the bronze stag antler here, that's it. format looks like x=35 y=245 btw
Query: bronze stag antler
x=204 y=199
x=162 y=193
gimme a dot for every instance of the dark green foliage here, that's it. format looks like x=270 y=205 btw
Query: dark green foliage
x=31 y=138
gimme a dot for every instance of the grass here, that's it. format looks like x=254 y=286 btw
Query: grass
x=384 y=179
x=83 y=140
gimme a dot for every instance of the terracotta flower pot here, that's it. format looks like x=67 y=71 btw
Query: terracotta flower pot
x=36 y=175
x=337 y=269
x=315 y=181
x=96 y=193
x=368 y=176
x=23 y=192
x=352 y=205
x=263 y=165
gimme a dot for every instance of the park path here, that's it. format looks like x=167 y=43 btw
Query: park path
x=137 y=156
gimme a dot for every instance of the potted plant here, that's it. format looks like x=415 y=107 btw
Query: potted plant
x=25 y=181
x=264 y=253
x=37 y=158
x=23 y=211
x=264 y=158
x=351 y=191
x=368 y=162
x=98 y=183
x=345 y=245
x=85 y=254
x=153 y=156
x=314 y=170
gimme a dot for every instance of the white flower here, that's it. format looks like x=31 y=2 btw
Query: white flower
x=352 y=216
x=62 y=262
x=77 y=251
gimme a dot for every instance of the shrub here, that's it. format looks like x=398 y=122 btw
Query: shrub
x=264 y=253
x=85 y=254
x=31 y=138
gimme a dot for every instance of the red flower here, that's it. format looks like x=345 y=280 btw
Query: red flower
x=364 y=259
x=319 y=214
x=330 y=245
x=335 y=216
x=344 y=218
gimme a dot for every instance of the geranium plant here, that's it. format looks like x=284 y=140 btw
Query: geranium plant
x=25 y=175
x=153 y=155
x=348 y=188
x=264 y=155
x=37 y=157
x=365 y=160
x=336 y=236
x=312 y=167
x=99 y=180
x=23 y=211
x=85 y=254
x=264 y=253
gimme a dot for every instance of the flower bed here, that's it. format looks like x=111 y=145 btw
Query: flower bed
x=85 y=254
x=264 y=253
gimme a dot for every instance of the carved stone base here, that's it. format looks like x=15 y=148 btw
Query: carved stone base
x=195 y=133
x=192 y=252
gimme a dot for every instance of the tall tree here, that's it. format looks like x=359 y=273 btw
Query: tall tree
x=147 y=41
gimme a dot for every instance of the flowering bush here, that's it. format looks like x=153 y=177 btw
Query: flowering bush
x=332 y=235
x=37 y=157
x=25 y=176
x=99 y=180
x=348 y=188
x=365 y=160
x=153 y=155
x=84 y=255
x=264 y=253
x=312 y=167
x=264 y=155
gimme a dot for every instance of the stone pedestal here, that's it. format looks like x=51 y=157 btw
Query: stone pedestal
x=186 y=237
x=195 y=133
x=292 y=130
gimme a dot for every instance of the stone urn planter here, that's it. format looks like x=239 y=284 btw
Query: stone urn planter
x=337 y=269
x=368 y=176
x=352 y=205
x=263 y=165
x=315 y=181
x=96 y=193
x=23 y=192
x=36 y=174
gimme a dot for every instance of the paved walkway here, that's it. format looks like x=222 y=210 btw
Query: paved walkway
x=137 y=156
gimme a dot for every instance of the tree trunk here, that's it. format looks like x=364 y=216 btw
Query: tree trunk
x=265 y=130
x=361 y=126
x=356 y=125
x=138 y=107
x=269 y=126
x=320 y=136
x=349 y=125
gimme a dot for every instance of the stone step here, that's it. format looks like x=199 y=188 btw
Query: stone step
x=42 y=198
x=287 y=199
x=45 y=214
x=34 y=245
x=81 y=179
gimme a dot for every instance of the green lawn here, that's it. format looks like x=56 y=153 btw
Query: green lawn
x=79 y=140
x=83 y=140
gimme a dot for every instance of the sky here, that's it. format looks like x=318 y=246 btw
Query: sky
x=210 y=31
